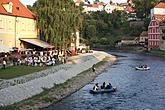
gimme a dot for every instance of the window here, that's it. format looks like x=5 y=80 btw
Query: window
x=10 y=25
x=153 y=30
x=10 y=7
x=17 y=8
x=1 y=24
x=29 y=26
x=23 y=26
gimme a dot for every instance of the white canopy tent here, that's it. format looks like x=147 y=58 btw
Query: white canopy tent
x=4 y=49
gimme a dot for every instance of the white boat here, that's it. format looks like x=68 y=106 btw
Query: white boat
x=103 y=91
x=142 y=68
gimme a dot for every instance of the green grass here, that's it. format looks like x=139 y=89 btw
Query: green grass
x=157 y=52
x=16 y=71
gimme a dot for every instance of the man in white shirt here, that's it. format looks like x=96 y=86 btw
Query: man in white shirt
x=4 y=63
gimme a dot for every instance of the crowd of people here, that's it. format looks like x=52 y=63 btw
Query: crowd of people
x=41 y=60
x=33 y=58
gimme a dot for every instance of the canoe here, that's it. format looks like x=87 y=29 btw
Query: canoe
x=100 y=91
x=143 y=69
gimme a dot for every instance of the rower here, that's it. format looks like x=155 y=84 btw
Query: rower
x=109 y=86
x=96 y=87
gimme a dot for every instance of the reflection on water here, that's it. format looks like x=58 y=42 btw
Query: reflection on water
x=137 y=90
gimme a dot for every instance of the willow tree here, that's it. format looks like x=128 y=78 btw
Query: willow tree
x=57 y=20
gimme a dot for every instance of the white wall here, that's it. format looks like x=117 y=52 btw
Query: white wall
x=160 y=11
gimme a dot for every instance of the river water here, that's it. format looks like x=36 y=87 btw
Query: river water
x=136 y=90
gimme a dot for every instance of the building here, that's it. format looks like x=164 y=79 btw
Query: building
x=129 y=41
x=110 y=7
x=162 y=35
x=18 y=26
x=158 y=10
x=143 y=37
x=156 y=27
x=77 y=2
x=153 y=34
x=124 y=7
x=93 y=7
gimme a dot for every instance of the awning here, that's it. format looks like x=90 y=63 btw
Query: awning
x=37 y=42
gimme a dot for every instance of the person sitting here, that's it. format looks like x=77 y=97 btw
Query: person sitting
x=140 y=66
x=109 y=86
x=103 y=86
x=96 y=87
x=145 y=66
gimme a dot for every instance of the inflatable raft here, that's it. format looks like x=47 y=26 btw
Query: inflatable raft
x=100 y=91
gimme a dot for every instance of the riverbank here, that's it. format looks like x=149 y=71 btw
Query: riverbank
x=65 y=88
x=160 y=53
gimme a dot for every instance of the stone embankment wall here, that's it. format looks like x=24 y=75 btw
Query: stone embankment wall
x=18 y=89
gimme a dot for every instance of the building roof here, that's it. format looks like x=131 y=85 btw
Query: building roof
x=18 y=9
x=160 y=5
x=113 y=4
x=123 y=4
x=101 y=3
x=144 y=33
x=130 y=9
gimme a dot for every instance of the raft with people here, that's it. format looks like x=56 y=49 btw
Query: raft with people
x=113 y=89
x=143 y=68
x=103 y=89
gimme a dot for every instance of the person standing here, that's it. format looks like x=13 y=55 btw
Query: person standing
x=4 y=63
x=93 y=68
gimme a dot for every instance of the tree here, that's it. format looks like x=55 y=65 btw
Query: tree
x=57 y=20
x=142 y=7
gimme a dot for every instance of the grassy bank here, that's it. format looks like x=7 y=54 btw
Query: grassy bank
x=16 y=71
x=60 y=91
x=157 y=53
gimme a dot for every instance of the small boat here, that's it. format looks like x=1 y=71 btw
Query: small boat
x=103 y=91
x=142 y=68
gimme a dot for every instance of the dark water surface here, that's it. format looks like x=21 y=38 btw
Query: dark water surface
x=137 y=90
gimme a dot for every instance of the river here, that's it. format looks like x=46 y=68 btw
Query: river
x=136 y=90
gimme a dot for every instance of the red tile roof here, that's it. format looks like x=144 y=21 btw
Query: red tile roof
x=95 y=6
x=160 y=5
x=113 y=4
x=130 y=9
x=123 y=4
x=18 y=9
x=100 y=3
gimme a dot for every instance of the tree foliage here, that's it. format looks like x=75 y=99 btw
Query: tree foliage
x=57 y=20
x=103 y=28
x=142 y=7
